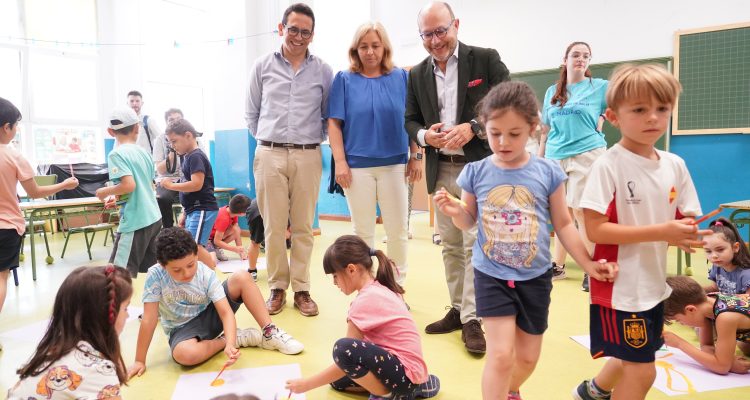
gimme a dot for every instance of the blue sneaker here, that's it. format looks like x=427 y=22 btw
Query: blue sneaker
x=429 y=388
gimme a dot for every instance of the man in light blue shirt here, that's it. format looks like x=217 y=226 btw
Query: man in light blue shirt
x=286 y=113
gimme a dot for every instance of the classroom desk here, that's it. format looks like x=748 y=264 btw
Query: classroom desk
x=36 y=208
x=223 y=193
x=740 y=215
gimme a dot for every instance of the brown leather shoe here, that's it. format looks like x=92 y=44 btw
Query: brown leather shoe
x=473 y=337
x=276 y=301
x=305 y=304
x=451 y=322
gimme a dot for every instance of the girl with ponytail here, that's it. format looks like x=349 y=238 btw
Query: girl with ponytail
x=573 y=115
x=382 y=352
x=79 y=355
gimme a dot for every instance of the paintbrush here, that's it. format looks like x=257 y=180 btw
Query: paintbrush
x=707 y=216
x=226 y=364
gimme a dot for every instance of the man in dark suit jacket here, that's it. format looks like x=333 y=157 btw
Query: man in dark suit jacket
x=443 y=91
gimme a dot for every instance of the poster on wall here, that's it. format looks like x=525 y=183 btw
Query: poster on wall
x=66 y=145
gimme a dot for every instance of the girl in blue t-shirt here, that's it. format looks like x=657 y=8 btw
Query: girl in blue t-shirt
x=573 y=112
x=730 y=259
x=511 y=195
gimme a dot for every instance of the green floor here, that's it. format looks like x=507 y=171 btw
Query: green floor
x=562 y=365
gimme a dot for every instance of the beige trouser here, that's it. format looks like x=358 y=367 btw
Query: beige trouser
x=287 y=184
x=457 y=244
x=384 y=186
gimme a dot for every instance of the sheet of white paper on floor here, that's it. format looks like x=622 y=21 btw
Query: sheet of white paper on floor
x=678 y=374
x=264 y=382
x=234 y=264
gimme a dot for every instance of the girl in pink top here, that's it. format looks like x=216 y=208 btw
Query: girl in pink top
x=14 y=168
x=382 y=351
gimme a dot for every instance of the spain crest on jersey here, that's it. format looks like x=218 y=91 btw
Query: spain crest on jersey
x=672 y=195
x=634 y=330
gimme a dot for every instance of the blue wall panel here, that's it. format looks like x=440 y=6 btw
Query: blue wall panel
x=719 y=166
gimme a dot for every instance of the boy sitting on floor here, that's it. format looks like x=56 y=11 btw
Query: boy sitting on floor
x=730 y=314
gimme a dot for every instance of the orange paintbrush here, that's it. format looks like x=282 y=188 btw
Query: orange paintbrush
x=707 y=216
x=226 y=364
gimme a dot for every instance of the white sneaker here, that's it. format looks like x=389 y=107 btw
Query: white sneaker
x=282 y=341
x=249 y=337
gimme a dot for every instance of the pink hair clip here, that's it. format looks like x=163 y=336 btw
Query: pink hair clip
x=719 y=223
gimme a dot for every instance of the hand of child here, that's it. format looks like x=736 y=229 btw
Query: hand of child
x=181 y=220
x=167 y=183
x=101 y=193
x=243 y=253
x=297 y=385
x=232 y=353
x=70 y=183
x=138 y=368
x=602 y=270
x=672 y=340
x=110 y=201
x=447 y=203
x=684 y=234
x=740 y=365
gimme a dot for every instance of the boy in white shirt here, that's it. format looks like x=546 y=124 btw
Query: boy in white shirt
x=637 y=201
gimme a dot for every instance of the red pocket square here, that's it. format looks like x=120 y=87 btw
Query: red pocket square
x=475 y=82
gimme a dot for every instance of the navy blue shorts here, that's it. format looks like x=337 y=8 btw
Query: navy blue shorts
x=529 y=301
x=628 y=336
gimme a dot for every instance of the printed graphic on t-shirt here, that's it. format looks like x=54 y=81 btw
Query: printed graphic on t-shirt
x=510 y=225
x=726 y=285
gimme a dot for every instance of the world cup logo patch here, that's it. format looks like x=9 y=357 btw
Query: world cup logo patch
x=635 y=332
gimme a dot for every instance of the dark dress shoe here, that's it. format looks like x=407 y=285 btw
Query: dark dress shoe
x=451 y=322
x=473 y=337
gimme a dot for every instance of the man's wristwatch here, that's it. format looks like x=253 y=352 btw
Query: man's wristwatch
x=475 y=127
x=416 y=156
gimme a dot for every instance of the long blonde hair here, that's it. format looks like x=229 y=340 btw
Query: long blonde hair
x=386 y=64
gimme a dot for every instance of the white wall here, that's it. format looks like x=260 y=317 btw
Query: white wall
x=533 y=34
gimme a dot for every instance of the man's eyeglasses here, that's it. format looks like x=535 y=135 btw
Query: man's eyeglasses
x=439 y=32
x=294 y=31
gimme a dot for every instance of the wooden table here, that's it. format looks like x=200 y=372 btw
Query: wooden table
x=740 y=215
x=36 y=208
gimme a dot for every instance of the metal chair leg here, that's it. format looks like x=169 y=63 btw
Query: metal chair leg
x=65 y=246
x=88 y=244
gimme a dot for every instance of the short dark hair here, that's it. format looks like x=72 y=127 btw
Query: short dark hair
x=9 y=113
x=182 y=127
x=134 y=93
x=173 y=111
x=173 y=244
x=238 y=204
x=685 y=292
x=299 y=8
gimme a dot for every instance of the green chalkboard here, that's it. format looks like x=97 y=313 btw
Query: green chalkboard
x=542 y=79
x=713 y=66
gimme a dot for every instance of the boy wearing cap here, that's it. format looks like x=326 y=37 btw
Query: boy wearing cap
x=132 y=172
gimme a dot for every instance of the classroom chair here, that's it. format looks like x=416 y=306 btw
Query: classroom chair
x=92 y=229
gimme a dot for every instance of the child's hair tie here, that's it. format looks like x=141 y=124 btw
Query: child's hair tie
x=719 y=223
x=372 y=252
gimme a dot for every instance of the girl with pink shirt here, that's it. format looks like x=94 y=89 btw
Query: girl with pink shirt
x=382 y=352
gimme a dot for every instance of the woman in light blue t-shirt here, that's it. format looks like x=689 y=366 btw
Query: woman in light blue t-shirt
x=573 y=112
x=370 y=146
